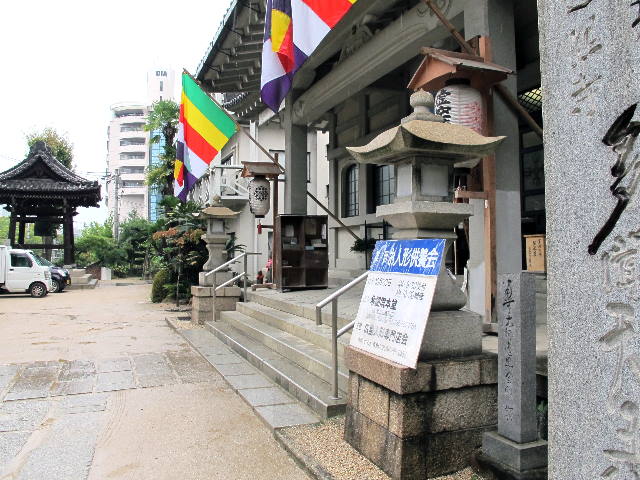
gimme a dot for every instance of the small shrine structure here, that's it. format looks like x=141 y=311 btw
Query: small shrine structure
x=42 y=191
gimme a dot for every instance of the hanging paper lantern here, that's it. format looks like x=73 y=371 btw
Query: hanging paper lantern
x=259 y=196
x=461 y=104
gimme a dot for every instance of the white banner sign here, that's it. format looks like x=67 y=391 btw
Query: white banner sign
x=396 y=301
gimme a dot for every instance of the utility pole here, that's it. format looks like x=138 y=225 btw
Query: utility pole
x=116 y=207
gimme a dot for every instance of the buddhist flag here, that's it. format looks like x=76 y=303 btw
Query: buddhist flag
x=293 y=30
x=203 y=130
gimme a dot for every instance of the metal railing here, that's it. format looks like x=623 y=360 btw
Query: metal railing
x=335 y=333
x=213 y=272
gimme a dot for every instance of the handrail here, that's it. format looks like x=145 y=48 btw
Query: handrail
x=333 y=298
x=215 y=287
x=229 y=282
x=338 y=293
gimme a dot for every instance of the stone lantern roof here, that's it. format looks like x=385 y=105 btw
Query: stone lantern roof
x=423 y=133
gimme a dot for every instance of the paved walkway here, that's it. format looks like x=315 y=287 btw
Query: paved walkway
x=95 y=385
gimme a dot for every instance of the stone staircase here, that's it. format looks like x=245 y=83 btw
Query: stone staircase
x=81 y=280
x=281 y=340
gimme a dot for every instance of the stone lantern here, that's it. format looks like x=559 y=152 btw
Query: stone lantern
x=430 y=419
x=206 y=303
x=425 y=150
x=215 y=238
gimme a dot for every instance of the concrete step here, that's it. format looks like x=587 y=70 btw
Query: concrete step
x=312 y=358
x=77 y=272
x=312 y=391
x=307 y=312
x=93 y=283
x=81 y=280
x=301 y=327
x=273 y=405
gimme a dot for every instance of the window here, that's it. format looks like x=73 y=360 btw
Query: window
x=132 y=156
x=132 y=141
x=132 y=183
x=350 y=195
x=384 y=184
x=18 y=260
x=132 y=170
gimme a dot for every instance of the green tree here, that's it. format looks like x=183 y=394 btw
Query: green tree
x=163 y=118
x=96 y=244
x=135 y=240
x=61 y=147
x=4 y=229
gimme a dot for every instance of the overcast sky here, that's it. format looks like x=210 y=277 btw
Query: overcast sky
x=65 y=63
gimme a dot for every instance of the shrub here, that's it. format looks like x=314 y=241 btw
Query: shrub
x=160 y=279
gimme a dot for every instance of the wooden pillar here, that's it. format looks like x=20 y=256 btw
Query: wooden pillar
x=21 y=229
x=12 y=230
x=67 y=227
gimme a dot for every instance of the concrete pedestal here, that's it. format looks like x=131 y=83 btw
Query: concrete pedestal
x=204 y=302
x=422 y=423
x=207 y=281
x=514 y=461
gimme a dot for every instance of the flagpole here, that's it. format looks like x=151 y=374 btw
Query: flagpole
x=232 y=117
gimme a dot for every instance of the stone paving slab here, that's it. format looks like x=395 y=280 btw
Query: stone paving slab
x=111 y=381
x=243 y=368
x=22 y=415
x=273 y=405
x=38 y=380
x=239 y=382
x=114 y=365
x=259 y=397
x=279 y=416
x=10 y=445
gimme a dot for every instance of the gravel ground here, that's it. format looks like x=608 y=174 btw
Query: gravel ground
x=323 y=443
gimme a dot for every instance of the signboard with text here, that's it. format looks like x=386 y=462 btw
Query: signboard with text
x=397 y=298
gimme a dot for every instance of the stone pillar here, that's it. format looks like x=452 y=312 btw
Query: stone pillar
x=514 y=449
x=590 y=60
x=295 y=185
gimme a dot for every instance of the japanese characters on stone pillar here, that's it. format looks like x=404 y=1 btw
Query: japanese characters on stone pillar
x=590 y=58
x=515 y=446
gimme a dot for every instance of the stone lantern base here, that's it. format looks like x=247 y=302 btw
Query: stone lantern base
x=204 y=302
x=423 y=423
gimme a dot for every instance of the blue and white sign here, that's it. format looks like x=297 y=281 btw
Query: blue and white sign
x=396 y=301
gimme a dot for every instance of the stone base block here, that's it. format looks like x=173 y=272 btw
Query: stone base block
x=519 y=457
x=452 y=334
x=420 y=423
x=207 y=281
x=201 y=308
x=413 y=458
x=203 y=302
x=428 y=376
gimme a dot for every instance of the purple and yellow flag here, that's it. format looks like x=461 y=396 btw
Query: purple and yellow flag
x=293 y=30
x=203 y=130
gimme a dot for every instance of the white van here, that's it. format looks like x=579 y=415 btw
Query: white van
x=19 y=272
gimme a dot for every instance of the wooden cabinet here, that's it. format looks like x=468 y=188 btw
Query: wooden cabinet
x=303 y=256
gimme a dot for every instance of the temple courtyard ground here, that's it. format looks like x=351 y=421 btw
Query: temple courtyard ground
x=95 y=385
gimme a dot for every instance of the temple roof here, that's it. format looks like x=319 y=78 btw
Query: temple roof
x=41 y=177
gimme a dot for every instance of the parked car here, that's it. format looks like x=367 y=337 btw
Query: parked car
x=60 y=277
x=20 y=272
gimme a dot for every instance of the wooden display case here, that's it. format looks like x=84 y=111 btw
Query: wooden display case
x=303 y=253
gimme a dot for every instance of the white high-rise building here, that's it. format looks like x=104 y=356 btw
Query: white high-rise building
x=129 y=151
x=128 y=159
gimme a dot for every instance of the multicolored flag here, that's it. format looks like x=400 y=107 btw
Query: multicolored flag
x=293 y=30
x=203 y=130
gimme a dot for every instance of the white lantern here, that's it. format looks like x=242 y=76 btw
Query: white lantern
x=461 y=104
x=259 y=196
